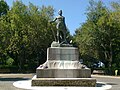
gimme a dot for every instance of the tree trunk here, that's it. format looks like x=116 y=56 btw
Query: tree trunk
x=110 y=57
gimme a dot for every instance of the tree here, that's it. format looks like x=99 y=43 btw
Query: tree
x=3 y=7
x=26 y=33
x=86 y=35
x=4 y=34
x=98 y=37
x=116 y=46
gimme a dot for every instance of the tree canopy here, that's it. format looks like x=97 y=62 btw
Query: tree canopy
x=3 y=7
x=25 y=34
x=99 y=37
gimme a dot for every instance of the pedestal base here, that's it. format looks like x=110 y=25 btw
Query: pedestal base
x=84 y=82
x=63 y=73
x=63 y=68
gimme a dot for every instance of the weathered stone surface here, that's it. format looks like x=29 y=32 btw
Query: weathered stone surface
x=63 y=53
x=88 y=82
x=64 y=64
x=55 y=44
x=63 y=73
x=63 y=68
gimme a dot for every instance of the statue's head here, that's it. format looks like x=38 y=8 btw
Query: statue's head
x=60 y=12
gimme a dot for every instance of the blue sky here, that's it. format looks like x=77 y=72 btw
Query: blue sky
x=73 y=10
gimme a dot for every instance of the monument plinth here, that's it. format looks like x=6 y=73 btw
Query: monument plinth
x=62 y=62
x=62 y=67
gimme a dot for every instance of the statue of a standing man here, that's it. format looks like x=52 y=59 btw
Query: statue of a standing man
x=61 y=27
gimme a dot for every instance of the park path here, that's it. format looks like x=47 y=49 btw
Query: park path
x=7 y=80
x=111 y=80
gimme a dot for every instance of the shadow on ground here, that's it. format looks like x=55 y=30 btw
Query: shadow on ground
x=112 y=83
x=99 y=84
x=102 y=84
x=13 y=79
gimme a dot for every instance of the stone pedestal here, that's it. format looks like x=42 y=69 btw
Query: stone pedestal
x=87 y=82
x=62 y=54
x=63 y=73
x=63 y=67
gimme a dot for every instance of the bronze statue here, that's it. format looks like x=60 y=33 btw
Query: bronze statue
x=61 y=27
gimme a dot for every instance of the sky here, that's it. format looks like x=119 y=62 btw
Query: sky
x=73 y=10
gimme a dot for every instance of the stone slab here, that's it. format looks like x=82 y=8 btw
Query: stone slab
x=64 y=64
x=84 y=82
x=63 y=73
x=56 y=44
x=63 y=53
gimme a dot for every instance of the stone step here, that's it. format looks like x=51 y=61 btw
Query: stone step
x=86 y=82
x=63 y=73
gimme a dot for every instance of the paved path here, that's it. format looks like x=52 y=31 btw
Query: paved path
x=6 y=80
x=111 y=80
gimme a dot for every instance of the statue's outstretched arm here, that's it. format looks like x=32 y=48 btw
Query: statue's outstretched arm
x=53 y=20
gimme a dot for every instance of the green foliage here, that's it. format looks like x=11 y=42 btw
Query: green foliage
x=25 y=34
x=3 y=7
x=9 y=61
x=99 y=37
